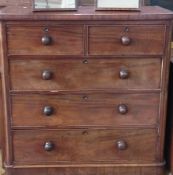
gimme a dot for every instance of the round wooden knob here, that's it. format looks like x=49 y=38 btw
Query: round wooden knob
x=48 y=110
x=46 y=40
x=124 y=74
x=47 y=75
x=122 y=109
x=121 y=145
x=125 y=40
x=48 y=146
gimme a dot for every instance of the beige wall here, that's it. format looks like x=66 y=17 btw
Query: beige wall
x=146 y=2
x=84 y=2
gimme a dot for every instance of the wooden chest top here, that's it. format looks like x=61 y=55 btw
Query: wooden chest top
x=23 y=11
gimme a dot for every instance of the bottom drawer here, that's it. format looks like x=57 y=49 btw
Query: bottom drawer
x=85 y=146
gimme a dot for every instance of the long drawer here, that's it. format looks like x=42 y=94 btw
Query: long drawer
x=91 y=74
x=85 y=146
x=126 y=40
x=77 y=110
x=42 y=40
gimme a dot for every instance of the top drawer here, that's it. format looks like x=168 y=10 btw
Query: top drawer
x=126 y=40
x=38 y=40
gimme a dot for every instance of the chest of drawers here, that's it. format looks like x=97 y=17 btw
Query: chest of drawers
x=84 y=92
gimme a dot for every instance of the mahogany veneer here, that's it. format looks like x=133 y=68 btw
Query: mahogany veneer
x=145 y=40
x=85 y=146
x=65 y=40
x=84 y=93
x=81 y=74
x=72 y=110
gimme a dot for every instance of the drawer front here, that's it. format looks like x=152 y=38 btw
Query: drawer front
x=126 y=40
x=60 y=40
x=84 y=146
x=94 y=74
x=85 y=110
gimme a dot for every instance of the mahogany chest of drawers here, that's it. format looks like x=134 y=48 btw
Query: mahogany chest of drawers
x=84 y=92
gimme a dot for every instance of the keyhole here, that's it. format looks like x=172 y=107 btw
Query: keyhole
x=46 y=29
x=126 y=29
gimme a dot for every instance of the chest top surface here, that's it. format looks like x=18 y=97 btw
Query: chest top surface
x=23 y=11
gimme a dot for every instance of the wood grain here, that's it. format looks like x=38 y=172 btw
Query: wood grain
x=71 y=74
x=89 y=171
x=85 y=145
x=74 y=111
x=145 y=40
x=66 y=40
x=22 y=11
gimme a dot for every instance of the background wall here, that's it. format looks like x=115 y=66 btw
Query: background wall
x=83 y=2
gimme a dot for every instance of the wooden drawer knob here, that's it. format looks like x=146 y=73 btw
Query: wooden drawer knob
x=125 y=40
x=123 y=109
x=47 y=75
x=124 y=74
x=46 y=40
x=121 y=145
x=48 y=110
x=48 y=146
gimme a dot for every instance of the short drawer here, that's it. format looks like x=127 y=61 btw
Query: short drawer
x=126 y=40
x=91 y=74
x=85 y=146
x=54 y=40
x=85 y=110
